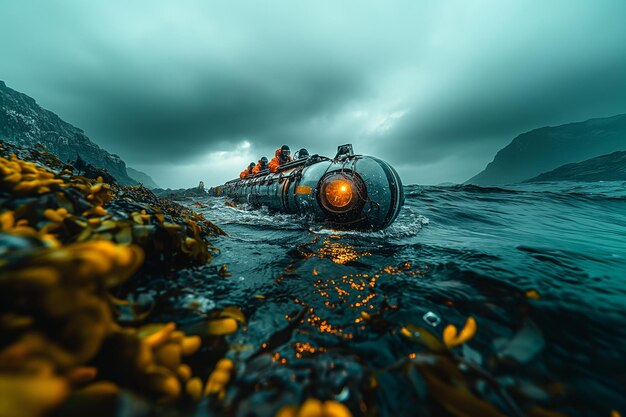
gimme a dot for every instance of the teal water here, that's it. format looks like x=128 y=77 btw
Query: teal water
x=541 y=267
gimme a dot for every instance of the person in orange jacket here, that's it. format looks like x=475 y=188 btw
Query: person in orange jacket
x=247 y=171
x=282 y=156
x=260 y=166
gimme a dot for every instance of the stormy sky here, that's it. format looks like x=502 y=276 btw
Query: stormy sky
x=189 y=90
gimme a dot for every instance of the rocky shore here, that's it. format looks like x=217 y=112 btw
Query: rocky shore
x=68 y=246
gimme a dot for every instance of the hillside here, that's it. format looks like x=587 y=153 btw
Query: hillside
x=541 y=150
x=24 y=123
x=611 y=167
x=142 y=178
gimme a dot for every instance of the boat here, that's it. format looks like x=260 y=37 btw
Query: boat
x=345 y=192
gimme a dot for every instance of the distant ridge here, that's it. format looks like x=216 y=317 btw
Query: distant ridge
x=142 y=177
x=544 y=149
x=611 y=167
x=24 y=123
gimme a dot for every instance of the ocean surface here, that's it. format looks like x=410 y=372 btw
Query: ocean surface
x=540 y=267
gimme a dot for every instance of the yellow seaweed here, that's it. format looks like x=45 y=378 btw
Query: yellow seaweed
x=219 y=378
x=451 y=338
x=220 y=327
x=193 y=388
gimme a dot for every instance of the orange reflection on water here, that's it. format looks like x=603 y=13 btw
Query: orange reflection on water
x=276 y=357
x=338 y=252
x=355 y=294
x=306 y=349
x=351 y=292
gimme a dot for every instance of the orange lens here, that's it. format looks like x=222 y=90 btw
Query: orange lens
x=338 y=193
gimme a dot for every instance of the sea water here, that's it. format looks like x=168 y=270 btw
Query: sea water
x=540 y=267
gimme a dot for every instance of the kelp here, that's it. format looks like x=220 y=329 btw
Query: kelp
x=73 y=208
x=313 y=407
x=67 y=243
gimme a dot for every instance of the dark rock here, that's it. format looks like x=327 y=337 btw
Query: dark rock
x=182 y=193
x=91 y=172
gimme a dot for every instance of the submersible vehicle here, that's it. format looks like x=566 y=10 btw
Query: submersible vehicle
x=346 y=192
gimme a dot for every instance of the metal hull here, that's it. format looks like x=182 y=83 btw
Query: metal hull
x=376 y=193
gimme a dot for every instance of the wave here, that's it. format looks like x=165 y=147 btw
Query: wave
x=409 y=223
x=606 y=191
x=262 y=218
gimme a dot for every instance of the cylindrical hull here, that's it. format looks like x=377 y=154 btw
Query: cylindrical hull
x=357 y=192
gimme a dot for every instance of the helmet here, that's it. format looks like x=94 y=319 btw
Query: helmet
x=285 y=152
x=303 y=153
x=264 y=160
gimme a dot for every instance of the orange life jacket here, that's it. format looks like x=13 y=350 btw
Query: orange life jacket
x=256 y=168
x=275 y=162
x=246 y=171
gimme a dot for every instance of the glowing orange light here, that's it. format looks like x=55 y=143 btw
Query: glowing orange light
x=339 y=193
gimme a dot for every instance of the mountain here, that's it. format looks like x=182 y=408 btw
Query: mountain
x=24 y=123
x=547 y=148
x=611 y=167
x=142 y=178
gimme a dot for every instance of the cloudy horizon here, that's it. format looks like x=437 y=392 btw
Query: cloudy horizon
x=194 y=90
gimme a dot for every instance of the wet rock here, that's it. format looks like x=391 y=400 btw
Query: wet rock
x=182 y=193
x=68 y=243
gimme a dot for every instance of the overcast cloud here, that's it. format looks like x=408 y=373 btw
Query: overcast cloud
x=190 y=90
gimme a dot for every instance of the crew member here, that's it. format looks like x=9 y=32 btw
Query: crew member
x=303 y=153
x=247 y=171
x=282 y=156
x=260 y=166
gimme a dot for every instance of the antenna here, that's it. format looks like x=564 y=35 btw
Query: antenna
x=344 y=151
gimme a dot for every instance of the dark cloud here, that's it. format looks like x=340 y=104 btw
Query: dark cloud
x=487 y=111
x=163 y=119
x=194 y=89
